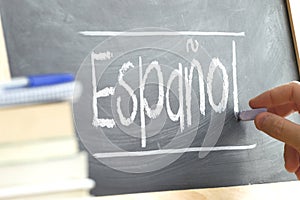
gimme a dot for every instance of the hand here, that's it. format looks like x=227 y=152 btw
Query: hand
x=280 y=102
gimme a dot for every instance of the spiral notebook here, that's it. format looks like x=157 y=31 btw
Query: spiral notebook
x=44 y=94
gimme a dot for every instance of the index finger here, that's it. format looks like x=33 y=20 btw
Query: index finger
x=288 y=93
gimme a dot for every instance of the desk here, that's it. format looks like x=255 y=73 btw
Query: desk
x=274 y=191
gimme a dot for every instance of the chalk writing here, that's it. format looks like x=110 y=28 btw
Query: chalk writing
x=184 y=76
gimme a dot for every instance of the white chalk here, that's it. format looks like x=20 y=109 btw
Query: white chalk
x=248 y=115
x=172 y=151
x=160 y=33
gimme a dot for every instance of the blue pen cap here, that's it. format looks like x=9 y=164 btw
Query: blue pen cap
x=49 y=79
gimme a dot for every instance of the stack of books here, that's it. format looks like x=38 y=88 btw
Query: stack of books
x=40 y=158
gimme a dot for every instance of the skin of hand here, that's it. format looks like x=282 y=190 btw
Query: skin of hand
x=281 y=102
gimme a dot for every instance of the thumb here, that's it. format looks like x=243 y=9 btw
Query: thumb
x=279 y=128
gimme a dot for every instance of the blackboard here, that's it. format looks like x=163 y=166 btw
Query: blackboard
x=189 y=138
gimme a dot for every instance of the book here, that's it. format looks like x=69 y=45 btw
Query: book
x=69 y=167
x=40 y=158
x=35 y=122
x=49 y=190
x=37 y=150
x=79 y=194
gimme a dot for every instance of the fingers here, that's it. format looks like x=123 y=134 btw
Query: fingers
x=283 y=110
x=281 y=101
x=288 y=93
x=279 y=128
x=298 y=174
x=291 y=158
x=292 y=162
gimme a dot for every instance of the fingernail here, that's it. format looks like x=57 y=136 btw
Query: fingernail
x=251 y=102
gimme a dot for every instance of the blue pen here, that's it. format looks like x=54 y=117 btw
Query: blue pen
x=37 y=80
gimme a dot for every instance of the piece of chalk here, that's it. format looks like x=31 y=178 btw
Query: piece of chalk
x=248 y=115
